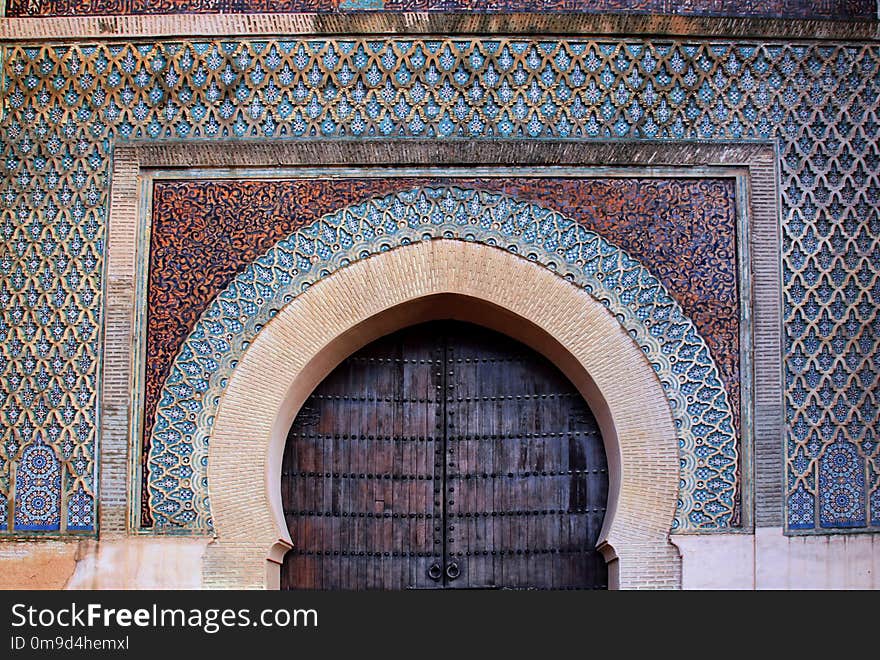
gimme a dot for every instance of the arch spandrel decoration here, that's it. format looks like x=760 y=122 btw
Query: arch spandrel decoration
x=178 y=493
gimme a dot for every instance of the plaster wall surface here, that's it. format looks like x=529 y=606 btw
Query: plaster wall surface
x=770 y=560
x=764 y=560
x=124 y=563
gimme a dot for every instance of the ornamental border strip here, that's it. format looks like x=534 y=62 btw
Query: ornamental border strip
x=787 y=9
x=387 y=24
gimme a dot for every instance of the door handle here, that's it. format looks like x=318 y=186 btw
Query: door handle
x=452 y=570
x=435 y=572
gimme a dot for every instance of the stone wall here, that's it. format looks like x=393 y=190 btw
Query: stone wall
x=71 y=106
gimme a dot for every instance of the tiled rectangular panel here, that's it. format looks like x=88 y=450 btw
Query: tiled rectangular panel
x=824 y=9
x=65 y=107
x=203 y=233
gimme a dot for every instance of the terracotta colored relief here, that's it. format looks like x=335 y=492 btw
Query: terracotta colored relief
x=698 y=400
x=206 y=232
x=824 y=9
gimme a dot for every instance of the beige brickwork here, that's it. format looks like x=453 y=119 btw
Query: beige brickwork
x=118 y=334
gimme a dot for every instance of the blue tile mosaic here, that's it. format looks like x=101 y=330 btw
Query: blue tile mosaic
x=65 y=106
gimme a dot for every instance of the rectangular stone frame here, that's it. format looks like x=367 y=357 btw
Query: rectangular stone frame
x=753 y=164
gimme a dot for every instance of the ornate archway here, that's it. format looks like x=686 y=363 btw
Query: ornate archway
x=375 y=296
x=178 y=488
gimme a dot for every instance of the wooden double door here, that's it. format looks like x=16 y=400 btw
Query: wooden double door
x=444 y=456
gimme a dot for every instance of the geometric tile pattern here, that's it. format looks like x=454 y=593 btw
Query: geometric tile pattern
x=38 y=489
x=203 y=232
x=65 y=105
x=841 y=484
x=836 y=9
x=189 y=399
